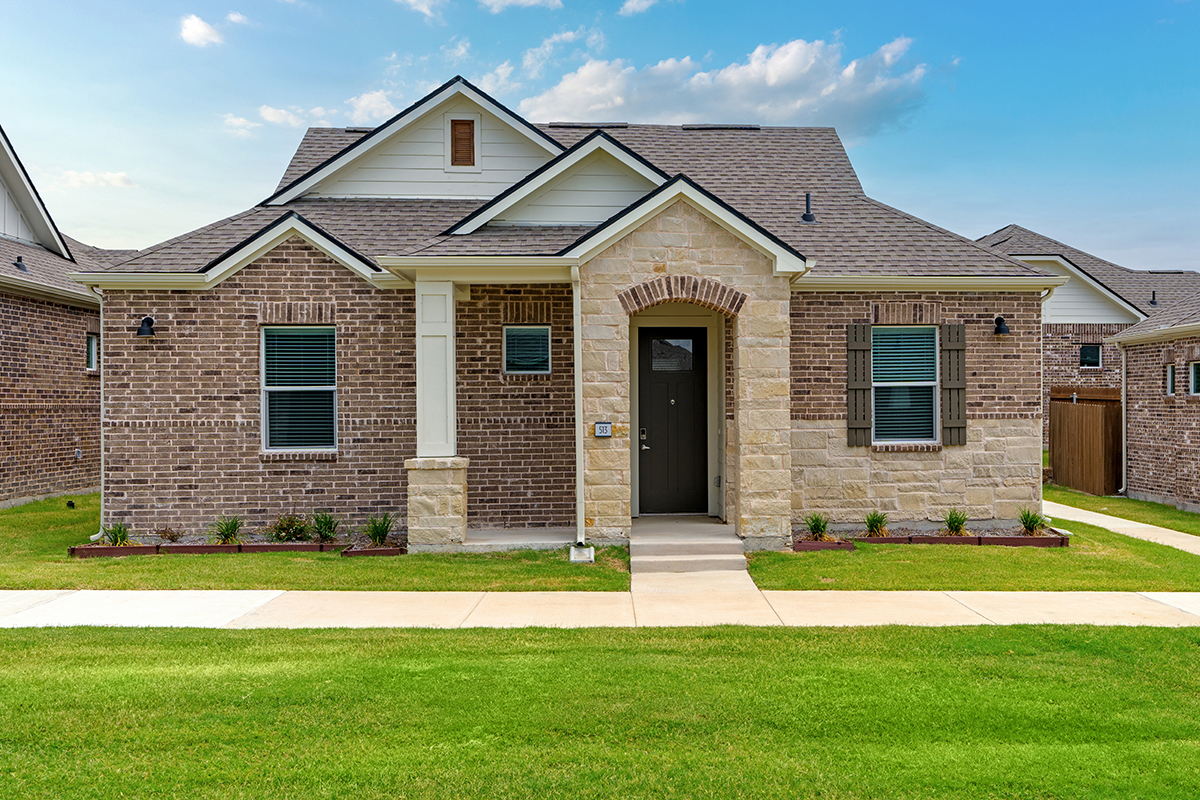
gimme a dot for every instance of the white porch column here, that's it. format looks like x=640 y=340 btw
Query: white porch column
x=436 y=410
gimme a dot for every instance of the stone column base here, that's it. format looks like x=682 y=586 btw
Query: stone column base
x=765 y=533
x=437 y=503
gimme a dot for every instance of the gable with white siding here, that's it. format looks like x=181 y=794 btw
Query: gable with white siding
x=591 y=192
x=12 y=221
x=1081 y=300
x=413 y=162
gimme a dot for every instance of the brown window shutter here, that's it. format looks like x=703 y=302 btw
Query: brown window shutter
x=858 y=385
x=954 y=384
x=462 y=143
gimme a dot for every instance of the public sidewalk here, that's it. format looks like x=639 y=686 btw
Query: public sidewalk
x=1138 y=530
x=674 y=600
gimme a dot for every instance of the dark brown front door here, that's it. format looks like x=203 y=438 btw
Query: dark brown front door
x=672 y=446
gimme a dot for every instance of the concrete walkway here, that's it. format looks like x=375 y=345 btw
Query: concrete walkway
x=722 y=603
x=1138 y=530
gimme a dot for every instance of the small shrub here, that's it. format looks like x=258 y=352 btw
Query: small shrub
x=289 y=528
x=956 y=522
x=226 y=530
x=117 y=534
x=818 y=526
x=378 y=528
x=876 y=523
x=325 y=526
x=168 y=534
x=1031 y=521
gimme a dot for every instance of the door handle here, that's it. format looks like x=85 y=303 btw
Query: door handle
x=645 y=447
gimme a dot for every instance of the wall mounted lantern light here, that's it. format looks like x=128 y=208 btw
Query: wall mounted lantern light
x=146 y=329
x=1001 y=328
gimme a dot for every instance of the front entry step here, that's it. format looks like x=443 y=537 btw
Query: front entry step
x=681 y=545
x=698 y=547
x=687 y=563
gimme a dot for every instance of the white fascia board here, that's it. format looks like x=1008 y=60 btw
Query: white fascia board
x=378 y=137
x=1085 y=278
x=244 y=255
x=932 y=283
x=39 y=291
x=1159 y=335
x=27 y=200
x=559 y=170
x=481 y=269
x=784 y=262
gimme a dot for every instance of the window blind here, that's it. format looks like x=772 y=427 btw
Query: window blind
x=903 y=355
x=527 y=350
x=299 y=357
x=300 y=419
x=904 y=413
x=300 y=383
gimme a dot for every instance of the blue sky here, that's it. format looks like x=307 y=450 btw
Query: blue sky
x=1080 y=120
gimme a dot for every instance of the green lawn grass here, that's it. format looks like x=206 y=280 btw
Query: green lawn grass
x=1096 y=560
x=1136 y=510
x=34 y=540
x=997 y=712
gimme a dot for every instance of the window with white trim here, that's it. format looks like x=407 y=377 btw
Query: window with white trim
x=93 y=351
x=1089 y=356
x=1194 y=377
x=1170 y=380
x=299 y=383
x=904 y=383
x=527 y=349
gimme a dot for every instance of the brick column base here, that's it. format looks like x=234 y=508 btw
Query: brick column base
x=437 y=503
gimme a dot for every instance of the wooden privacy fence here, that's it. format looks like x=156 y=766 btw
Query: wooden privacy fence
x=1085 y=439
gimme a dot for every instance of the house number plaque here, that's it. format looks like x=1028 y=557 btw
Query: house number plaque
x=603 y=430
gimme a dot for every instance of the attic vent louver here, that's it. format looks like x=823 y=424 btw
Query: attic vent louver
x=20 y=264
x=1153 y=298
x=808 y=216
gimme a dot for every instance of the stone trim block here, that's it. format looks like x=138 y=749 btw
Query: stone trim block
x=437 y=501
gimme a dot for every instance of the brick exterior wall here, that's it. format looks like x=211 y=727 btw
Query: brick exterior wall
x=1163 y=433
x=995 y=473
x=517 y=430
x=1060 y=361
x=49 y=401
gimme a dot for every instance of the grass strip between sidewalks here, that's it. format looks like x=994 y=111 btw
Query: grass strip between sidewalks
x=1163 y=516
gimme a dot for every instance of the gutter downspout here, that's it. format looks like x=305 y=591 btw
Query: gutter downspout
x=577 y=343
x=1124 y=419
x=100 y=366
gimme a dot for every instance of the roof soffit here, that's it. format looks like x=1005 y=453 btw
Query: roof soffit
x=373 y=142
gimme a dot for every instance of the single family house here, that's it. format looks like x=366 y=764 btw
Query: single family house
x=479 y=322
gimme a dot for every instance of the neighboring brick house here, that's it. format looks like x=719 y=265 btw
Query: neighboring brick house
x=1162 y=411
x=1100 y=300
x=478 y=322
x=49 y=354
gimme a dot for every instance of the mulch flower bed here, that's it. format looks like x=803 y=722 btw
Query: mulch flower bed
x=356 y=544
x=1002 y=537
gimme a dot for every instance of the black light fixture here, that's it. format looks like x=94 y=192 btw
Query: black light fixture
x=1001 y=327
x=146 y=329
x=20 y=264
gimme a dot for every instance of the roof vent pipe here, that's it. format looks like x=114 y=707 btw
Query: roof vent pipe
x=20 y=264
x=1153 y=298
x=808 y=216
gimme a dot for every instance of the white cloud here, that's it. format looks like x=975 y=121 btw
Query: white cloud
x=196 y=31
x=499 y=80
x=632 y=7
x=371 y=107
x=427 y=7
x=455 y=51
x=797 y=83
x=240 y=126
x=237 y=19
x=535 y=58
x=280 y=116
x=88 y=180
x=496 y=6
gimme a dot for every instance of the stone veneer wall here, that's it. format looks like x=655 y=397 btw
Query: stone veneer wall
x=1060 y=361
x=994 y=474
x=1163 y=433
x=517 y=430
x=49 y=400
x=680 y=241
x=183 y=440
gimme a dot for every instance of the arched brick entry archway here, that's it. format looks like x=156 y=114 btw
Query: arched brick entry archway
x=701 y=291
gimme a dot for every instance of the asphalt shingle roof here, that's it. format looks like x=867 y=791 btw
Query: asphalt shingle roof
x=763 y=173
x=47 y=269
x=1136 y=286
